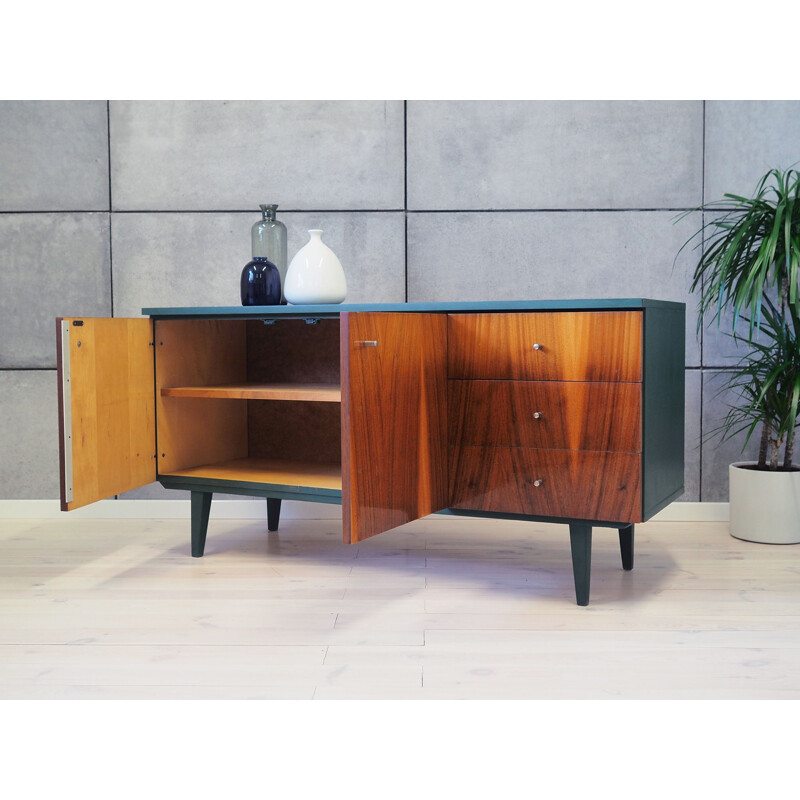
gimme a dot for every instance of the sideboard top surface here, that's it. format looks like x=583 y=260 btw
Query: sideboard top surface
x=333 y=310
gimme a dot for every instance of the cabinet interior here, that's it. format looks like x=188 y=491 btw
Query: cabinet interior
x=249 y=401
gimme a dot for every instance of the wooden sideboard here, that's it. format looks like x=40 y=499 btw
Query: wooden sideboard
x=562 y=411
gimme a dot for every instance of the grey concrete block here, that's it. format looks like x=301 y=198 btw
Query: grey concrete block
x=744 y=139
x=28 y=435
x=552 y=255
x=197 y=259
x=554 y=154
x=718 y=454
x=51 y=265
x=720 y=348
x=53 y=155
x=234 y=155
x=692 y=444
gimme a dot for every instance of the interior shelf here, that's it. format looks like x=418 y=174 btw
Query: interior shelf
x=305 y=474
x=318 y=392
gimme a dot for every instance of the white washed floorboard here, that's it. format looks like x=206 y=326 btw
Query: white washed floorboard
x=440 y=609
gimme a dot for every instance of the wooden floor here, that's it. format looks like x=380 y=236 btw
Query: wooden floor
x=441 y=608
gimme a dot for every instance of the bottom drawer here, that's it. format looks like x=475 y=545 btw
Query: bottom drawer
x=579 y=484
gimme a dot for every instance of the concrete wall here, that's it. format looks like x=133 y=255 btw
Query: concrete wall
x=109 y=207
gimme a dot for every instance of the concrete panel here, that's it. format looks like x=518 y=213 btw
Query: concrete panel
x=691 y=445
x=745 y=139
x=53 y=155
x=51 y=265
x=717 y=455
x=234 y=155
x=552 y=255
x=554 y=154
x=197 y=259
x=28 y=435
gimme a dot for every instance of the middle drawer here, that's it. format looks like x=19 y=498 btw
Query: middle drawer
x=566 y=415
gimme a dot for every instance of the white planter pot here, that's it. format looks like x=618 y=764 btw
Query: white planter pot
x=765 y=506
x=315 y=274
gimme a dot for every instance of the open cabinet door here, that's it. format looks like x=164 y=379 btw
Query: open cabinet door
x=394 y=431
x=106 y=407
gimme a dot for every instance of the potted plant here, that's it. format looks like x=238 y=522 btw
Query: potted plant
x=749 y=265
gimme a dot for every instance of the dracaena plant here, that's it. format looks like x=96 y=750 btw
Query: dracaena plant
x=749 y=266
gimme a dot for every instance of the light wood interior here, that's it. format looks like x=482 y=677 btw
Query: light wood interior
x=285 y=472
x=240 y=391
x=319 y=392
x=111 y=407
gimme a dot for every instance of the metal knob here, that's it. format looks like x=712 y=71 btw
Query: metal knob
x=538 y=347
x=538 y=482
x=537 y=415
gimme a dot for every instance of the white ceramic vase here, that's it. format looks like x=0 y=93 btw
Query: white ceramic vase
x=315 y=274
x=765 y=506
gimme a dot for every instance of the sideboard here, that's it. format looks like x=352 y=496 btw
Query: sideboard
x=568 y=411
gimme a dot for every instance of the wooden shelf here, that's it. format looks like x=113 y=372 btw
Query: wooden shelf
x=318 y=392
x=305 y=474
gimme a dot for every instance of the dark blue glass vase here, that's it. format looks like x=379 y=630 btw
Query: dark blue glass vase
x=261 y=283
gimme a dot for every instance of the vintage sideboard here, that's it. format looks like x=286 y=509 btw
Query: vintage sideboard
x=562 y=411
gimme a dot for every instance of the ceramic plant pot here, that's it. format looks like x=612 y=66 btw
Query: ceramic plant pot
x=765 y=506
x=315 y=274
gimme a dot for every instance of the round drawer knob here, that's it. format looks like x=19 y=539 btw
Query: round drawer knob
x=538 y=347
x=537 y=415
x=538 y=482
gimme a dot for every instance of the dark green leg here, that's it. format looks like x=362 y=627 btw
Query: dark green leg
x=626 y=546
x=273 y=513
x=201 y=506
x=580 y=539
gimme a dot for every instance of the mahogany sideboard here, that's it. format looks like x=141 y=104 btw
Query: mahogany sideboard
x=558 y=411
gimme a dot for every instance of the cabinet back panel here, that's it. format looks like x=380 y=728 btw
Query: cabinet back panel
x=194 y=431
x=291 y=351
x=303 y=431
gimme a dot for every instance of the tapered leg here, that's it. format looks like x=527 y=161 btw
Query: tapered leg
x=626 y=546
x=580 y=539
x=273 y=513
x=201 y=506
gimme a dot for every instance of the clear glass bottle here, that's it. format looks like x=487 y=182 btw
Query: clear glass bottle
x=269 y=241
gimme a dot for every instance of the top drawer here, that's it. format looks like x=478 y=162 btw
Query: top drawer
x=550 y=346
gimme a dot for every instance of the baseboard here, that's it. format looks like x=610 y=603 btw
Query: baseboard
x=693 y=512
x=257 y=509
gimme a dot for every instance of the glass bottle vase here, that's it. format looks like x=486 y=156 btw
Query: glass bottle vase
x=269 y=241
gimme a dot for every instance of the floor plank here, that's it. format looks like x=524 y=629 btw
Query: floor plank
x=443 y=608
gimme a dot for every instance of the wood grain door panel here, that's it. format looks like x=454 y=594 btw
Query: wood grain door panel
x=564 y=345
x=394 y=432
x=589 y=485
x=579 y=415
x=106 y=408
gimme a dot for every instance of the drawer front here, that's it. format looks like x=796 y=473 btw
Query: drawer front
x=546 y=414
x=588 y=485
x=558 y=345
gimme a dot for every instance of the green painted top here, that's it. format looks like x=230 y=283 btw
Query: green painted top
x=333 y=310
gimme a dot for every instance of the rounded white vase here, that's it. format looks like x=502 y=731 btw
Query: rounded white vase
x=315 y=274
x=765 y=506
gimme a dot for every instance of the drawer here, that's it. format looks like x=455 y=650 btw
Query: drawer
x=589 y=485
x=546 y=414
x=561 y=345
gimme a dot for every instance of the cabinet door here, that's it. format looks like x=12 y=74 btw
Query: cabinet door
x=106 y=405
x=394 y=432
